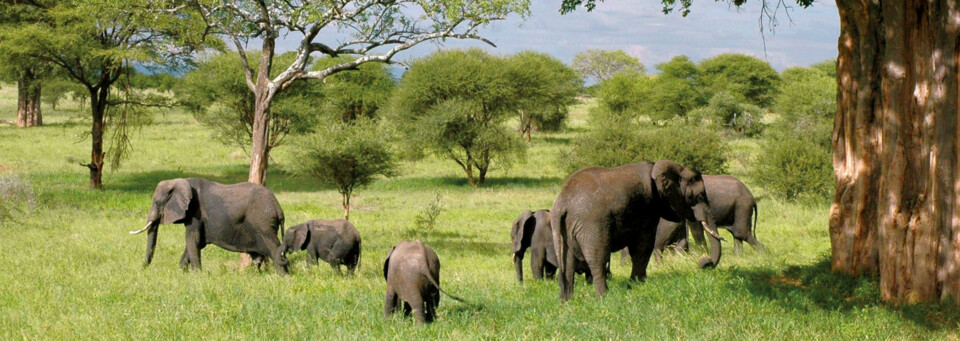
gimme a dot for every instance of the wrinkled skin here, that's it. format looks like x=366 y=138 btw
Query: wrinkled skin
x=243 y=217
x=668 y=234
x=600 y=210
x=336 y=242
x=532 y=231
x=412 y=272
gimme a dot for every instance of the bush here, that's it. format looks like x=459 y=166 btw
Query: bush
x=545 y=87
x=16 y=197
x=747 y=78
x=426 y=220
x=806 y=92
x=725 y=110
x=615 y=140
x=795 y=169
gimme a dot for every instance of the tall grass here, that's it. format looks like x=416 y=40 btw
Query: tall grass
x=69 y=270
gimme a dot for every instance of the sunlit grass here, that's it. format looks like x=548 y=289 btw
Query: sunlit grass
x=71 y=271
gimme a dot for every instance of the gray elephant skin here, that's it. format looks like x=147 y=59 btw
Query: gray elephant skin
x=531 y=231
x=412 y=272
x=600 y=210
x=242 y=217
x=336 y=242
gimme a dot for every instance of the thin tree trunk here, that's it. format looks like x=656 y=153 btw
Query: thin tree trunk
x=346 y=206
x=28 y=100
x=98 y=104
x=260 y=153
x=896 y=134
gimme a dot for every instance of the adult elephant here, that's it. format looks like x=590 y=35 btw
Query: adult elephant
x=600 y=210
x=243 y=217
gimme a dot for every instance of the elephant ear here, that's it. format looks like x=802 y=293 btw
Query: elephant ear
x=302 y=237
x=386 y=262
x=523 y=231
x=178 y=200
x=669 y=183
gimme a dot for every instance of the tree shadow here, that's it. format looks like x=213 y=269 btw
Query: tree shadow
x=277 y=181
x=815 y=286
x=556 y=140
x=505 y=182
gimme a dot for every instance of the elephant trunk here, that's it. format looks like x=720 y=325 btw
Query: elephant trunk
x=517 y=263
x=151 y=242
x=715 y=250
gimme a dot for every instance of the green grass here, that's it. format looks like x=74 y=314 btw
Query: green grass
x=70 y=270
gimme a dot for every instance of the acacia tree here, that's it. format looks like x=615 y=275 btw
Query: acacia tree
x=14 y=64
x=375 y=30
x=546 y=88
x=94 y=51
x=896 y=155
x=601 y=65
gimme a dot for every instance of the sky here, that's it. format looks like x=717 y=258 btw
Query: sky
x=639 y=27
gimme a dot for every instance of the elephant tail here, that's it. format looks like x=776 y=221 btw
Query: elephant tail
x=756 y=213
x=434 y=282
x=558 y=224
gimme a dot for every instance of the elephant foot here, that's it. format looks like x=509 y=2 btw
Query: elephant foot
x=706 y=262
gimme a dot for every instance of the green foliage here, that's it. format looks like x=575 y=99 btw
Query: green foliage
x=601 y=65
x=162 y=82
x=545 y=88
x=745 y=77
x=614 y=140
x=806 y=92
x=358 y=93
x=828 y=67
x=348 y=155
x=623 y=93
x=56 y=90
x=795 y=168
x=672 y=93
x=217 y=93
x=725 y=110
x=16 y=198
x=454 y=104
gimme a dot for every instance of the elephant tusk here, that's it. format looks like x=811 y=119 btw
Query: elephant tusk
x=143 y=229
x=712 y=233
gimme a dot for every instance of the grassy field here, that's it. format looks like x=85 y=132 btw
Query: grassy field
x=69 y=270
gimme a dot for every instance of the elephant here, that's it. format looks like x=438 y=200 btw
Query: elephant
x=336 y=242
x=668 y=233
x=732 y=205
x=600 y=210
x=532 y=230
x=412 y=272
x=242 y=217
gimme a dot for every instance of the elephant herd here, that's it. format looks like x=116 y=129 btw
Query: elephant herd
x=638 y=208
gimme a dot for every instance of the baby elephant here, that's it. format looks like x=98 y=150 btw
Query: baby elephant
x=412 y=271
x=335 y=241
x=532 y=231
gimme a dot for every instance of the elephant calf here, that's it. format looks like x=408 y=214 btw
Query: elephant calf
x=532 y=231
x=412 y=272
x=334 y=241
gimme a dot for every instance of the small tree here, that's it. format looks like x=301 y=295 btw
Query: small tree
x=346 y=155
x=600 y=65
x=545 y=87
x=454 y=104
x=806 y=92
x=355 y=94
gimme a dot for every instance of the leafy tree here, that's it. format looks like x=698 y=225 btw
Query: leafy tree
x=454 y=104
x=745 y=77
x=546 y=88
x=601 y=65
x=828 y=67
x=217 y=94
x=21 y=67
x=729 y=112
x=624 y=92
x=806 y=92
x=356 y=94
x=160 y=81
x=375 y=30
x=95 y=50
x=349 y=155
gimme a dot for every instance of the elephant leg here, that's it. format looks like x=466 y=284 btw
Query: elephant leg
x=536 y=263
x=313 y=257
x=567 y=277
x=419 y=310
x=596 y=252
x=624 y=255
x=184 y=261
x=336 y=268
x=756 y=244
x=407 y=309
x=271 y=246
x=640 y=256
x=390 y=303
x=737 y=246
x=697 y=231
x=433 y=302
x=257 y=260
x=193 y=246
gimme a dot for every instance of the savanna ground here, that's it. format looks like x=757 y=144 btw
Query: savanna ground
x=69 y=270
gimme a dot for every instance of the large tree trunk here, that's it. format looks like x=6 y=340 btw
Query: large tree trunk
x=896 y=134
x=98 y=105
x=28 y=100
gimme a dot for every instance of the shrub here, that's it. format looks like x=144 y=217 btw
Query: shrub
x=795 y=168
x=615 y=141
x=806 y=92
x=347 y=155
x=426 y=220
x=725 y=110
x=745 y=77
x=16 y=197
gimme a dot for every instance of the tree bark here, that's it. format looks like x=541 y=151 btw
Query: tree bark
x=28 y=100
x=896 y=133
x=98 y=105
x=346 y=206
x=264 y=91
